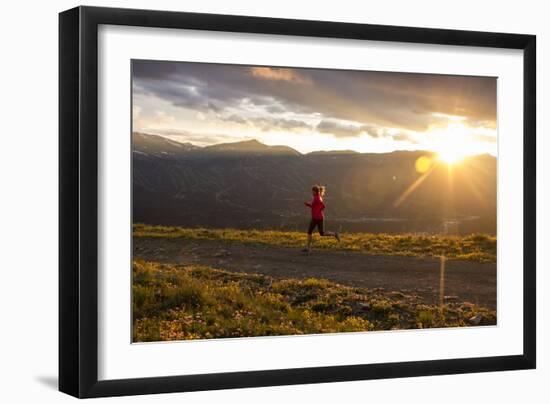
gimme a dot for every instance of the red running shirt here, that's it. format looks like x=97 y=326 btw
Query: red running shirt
x=317 y=206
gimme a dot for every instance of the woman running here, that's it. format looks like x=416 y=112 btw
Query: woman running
x=317 y=216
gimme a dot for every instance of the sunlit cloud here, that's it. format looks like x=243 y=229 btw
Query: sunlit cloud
x=279 y=74
x=450 y=118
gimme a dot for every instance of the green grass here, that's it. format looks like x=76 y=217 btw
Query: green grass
x=474 y=247
x=176 y=302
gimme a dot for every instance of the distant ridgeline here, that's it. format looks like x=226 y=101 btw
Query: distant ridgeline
x=252 y=185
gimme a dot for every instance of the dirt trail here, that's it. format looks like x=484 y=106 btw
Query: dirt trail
x=464 y=280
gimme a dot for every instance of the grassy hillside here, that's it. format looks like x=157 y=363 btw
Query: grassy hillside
x=251 y=185
x=475 y=247
x=176 y=302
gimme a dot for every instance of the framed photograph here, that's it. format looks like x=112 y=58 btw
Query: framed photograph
x=251 y=201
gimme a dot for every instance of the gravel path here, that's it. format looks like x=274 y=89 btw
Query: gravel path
x=464 y=280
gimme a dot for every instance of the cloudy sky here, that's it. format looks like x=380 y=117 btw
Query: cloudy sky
x=314 y=109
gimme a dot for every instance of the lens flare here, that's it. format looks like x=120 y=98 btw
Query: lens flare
x=423 y=164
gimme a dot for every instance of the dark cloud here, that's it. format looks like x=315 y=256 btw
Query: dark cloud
x=279 y=123
x=235 y=118
x=404 y=137
x=399 y=100
x=274 y=109
x=268 y=123
x=338 y=129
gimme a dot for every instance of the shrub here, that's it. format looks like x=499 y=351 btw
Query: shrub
x=175 y=302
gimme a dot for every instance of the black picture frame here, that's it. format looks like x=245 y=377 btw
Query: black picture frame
x=78 y=201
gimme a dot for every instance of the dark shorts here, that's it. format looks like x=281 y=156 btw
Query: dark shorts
x=319 y=223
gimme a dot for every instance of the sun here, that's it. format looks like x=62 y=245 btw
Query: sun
x=454 y=144
x=451 y=156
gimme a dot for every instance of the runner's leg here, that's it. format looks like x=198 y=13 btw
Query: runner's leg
x=309 y=234
x=322 y=232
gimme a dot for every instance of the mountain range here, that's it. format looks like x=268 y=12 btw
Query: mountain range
x=252 y=185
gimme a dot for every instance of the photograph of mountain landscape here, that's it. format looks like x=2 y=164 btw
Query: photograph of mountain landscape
x=273 y=201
